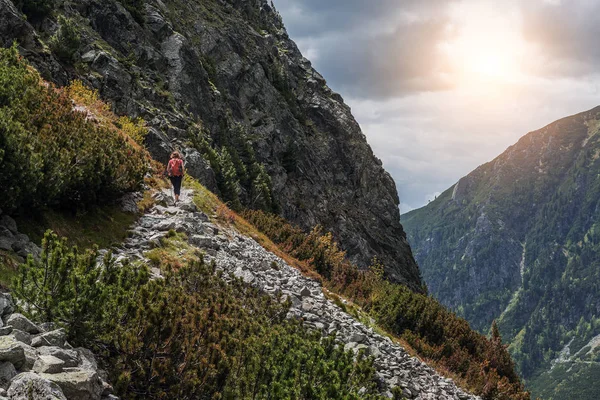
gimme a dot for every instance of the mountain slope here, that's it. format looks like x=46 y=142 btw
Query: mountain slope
x=517 y=240
x=256 y=344
x=223 y=81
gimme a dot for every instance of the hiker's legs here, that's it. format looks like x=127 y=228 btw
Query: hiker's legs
x=176 y=180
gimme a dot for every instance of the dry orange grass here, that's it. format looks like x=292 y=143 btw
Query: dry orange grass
x=88 y=102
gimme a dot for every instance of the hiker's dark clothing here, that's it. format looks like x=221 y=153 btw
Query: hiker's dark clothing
x=176 y=181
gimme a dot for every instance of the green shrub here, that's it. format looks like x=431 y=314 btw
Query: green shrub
x=190 y=335
x=69 y=288
x=52 y=155
x=66 y=41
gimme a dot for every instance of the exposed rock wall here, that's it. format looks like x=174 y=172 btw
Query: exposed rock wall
x=221 y=63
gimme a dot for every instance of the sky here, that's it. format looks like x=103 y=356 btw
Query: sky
x=440 y=87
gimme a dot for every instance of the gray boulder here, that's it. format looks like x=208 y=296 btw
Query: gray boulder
x=204 y=242
x=129 y=203
x=11 y=350
x=24 y=247
x=27 y=386
x=31 y=357
x=69 y=357
x=53 y=338
x=22 y=336
x=78 y=384
x=22 y=323
x=48 y=364
x=9 y=224
x=88 y=360
x=6 y=243
x=7 y=372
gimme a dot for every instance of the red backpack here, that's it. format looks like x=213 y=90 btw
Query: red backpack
x=176 y=167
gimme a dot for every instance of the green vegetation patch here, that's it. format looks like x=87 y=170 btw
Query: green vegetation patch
x=104 y=226
x=54 y=155
x=568 y=381
x=190 y=335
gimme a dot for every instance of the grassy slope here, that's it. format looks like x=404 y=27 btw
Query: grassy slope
x=104 y=226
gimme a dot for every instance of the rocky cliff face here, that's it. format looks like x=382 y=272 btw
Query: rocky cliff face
x=221 y=69
x=516 y=241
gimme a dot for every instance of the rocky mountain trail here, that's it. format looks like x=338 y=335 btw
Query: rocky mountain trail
x=242 y=257
x=224 y=65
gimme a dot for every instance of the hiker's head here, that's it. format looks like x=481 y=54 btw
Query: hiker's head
x=175 y=154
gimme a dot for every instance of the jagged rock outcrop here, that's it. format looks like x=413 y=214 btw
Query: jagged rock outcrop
x=224 y=63
x=243 y=257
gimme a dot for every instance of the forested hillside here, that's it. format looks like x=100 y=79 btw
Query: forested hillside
x=517 y=241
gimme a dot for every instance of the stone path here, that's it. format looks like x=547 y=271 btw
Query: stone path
x=245 y=258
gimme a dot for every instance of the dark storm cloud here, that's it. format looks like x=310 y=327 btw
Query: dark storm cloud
x=313 y=18
x=389 y=64
x=371 y=49
x=567 y=32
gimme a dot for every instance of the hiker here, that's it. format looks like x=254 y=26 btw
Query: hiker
x=175 y=171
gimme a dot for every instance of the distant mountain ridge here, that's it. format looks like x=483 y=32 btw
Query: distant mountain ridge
x=518 y=240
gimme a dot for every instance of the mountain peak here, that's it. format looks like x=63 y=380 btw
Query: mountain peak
x=512 y=241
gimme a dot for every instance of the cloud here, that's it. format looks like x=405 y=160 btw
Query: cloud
x=566 y=32
x=377 y=49
x=428 y=141
x=383 y=57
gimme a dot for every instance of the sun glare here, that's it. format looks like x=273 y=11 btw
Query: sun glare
x=484 y=46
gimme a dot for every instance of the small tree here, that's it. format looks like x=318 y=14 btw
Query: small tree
x=43 y=284
x=66 y=41
x=70 y=288
x=227 y=180
x=261 y=191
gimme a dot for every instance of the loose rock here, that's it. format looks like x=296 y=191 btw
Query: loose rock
x=54 y=338
x=79 y=384
x=48 y=364
x=20 y=322
x=7 y=373
x=28 y=385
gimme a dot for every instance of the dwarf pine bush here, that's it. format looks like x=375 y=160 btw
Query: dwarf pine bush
x=191 y=335
x=66 y=41
x=53 y=155
x=433 y=331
